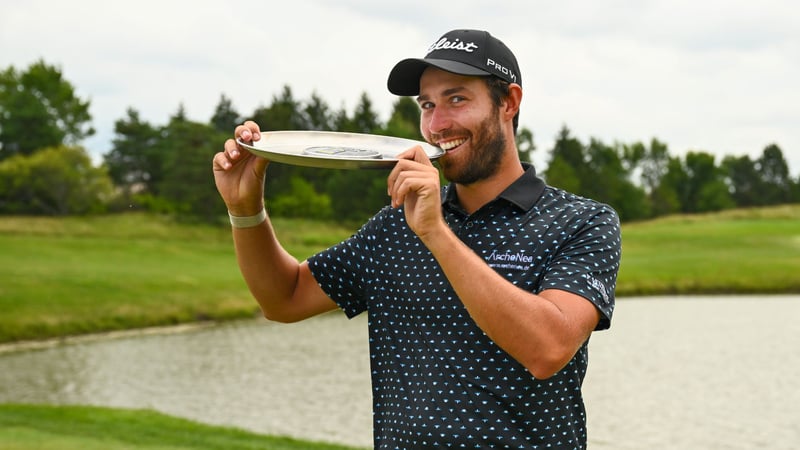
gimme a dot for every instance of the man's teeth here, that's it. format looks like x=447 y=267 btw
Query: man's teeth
x=451 y=144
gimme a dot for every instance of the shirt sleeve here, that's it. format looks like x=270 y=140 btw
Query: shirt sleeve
x=588 y=261
x=344 y=270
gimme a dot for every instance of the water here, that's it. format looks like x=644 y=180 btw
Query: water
x=700 y=372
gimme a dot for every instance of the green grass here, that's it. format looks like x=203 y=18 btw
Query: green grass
x=68 y=276
x=732 y=252
x=35 y=427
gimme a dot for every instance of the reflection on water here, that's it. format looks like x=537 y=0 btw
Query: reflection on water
x=309 y=380
x=708 y=373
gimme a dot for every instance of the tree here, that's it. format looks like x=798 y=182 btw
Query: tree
x=302 y=201
x=559 y=173
x=743 y=179
x=404 y=120
x=135 y=161
x=53 y=181
x=188 y=148
x=653 y=161
x=525 y=145
x=669 y=194
x=567 y=166
x=646 y=167
x=774 y=175
x=705 y=189
x=608 y=180
x=357 y=195
x=284 y=113
x=363 y=120
x=225 y=117
x=603 y=172
x=38 y=109
x=317 y=114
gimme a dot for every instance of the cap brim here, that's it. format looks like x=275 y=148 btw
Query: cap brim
x=404 y=77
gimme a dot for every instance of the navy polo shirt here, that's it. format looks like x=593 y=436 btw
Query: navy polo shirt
x=437 y=380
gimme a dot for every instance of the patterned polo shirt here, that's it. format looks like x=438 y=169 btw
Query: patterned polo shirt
x=437 y=380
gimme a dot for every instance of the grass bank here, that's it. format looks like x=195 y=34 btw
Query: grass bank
x=743 y=251
x=34 y=427
x=70 y=276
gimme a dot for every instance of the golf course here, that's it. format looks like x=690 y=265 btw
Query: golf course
x=77 y=276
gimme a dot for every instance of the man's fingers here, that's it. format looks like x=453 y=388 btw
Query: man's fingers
x=406 y=184
x=220 y=162
x=231 y=154
x=224 y=160
x=403 y=166
x=414 y=154
x=417 y=154
x=409 y=176
x=248 y=132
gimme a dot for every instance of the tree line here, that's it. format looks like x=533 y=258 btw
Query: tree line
x=165 y=168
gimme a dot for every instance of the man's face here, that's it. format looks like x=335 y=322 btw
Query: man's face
x=458 y=115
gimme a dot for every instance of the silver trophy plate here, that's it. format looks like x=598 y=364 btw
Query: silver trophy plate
x=334 y=150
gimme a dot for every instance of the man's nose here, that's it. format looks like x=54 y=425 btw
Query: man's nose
x=439 y=120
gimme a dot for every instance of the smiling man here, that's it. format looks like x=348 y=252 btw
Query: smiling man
x=481 y=294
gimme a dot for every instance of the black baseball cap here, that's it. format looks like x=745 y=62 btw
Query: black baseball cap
x=463 y=52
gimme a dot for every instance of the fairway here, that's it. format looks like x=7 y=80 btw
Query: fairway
x=82 y=275
x=68 y=276
x=739 y=251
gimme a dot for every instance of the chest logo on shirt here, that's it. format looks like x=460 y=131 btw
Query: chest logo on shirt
x=509 y=260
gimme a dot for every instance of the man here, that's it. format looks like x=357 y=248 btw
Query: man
x=481 y=296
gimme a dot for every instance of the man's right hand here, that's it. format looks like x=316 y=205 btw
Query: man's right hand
x=239 y=175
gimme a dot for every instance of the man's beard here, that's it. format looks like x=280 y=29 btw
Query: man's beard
x=486 y=156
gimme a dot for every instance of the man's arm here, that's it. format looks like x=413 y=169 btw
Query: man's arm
x=285 y=289
x=543 y=332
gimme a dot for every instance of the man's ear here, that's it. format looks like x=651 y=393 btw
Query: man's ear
x=512 y=101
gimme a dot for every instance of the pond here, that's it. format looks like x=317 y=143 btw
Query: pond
x=680 y=372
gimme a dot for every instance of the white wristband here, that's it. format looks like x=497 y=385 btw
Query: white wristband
x=248 y=221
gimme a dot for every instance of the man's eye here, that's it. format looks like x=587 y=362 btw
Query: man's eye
x=457 y=99
x=426 y=105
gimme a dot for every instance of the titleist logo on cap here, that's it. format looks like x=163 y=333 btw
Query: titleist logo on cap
x=445 y=44
x=472 y=53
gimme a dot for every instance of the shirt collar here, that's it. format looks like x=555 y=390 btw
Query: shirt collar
x=523 y=192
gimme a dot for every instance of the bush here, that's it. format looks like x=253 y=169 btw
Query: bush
x=54 y=181
x=301 y=201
